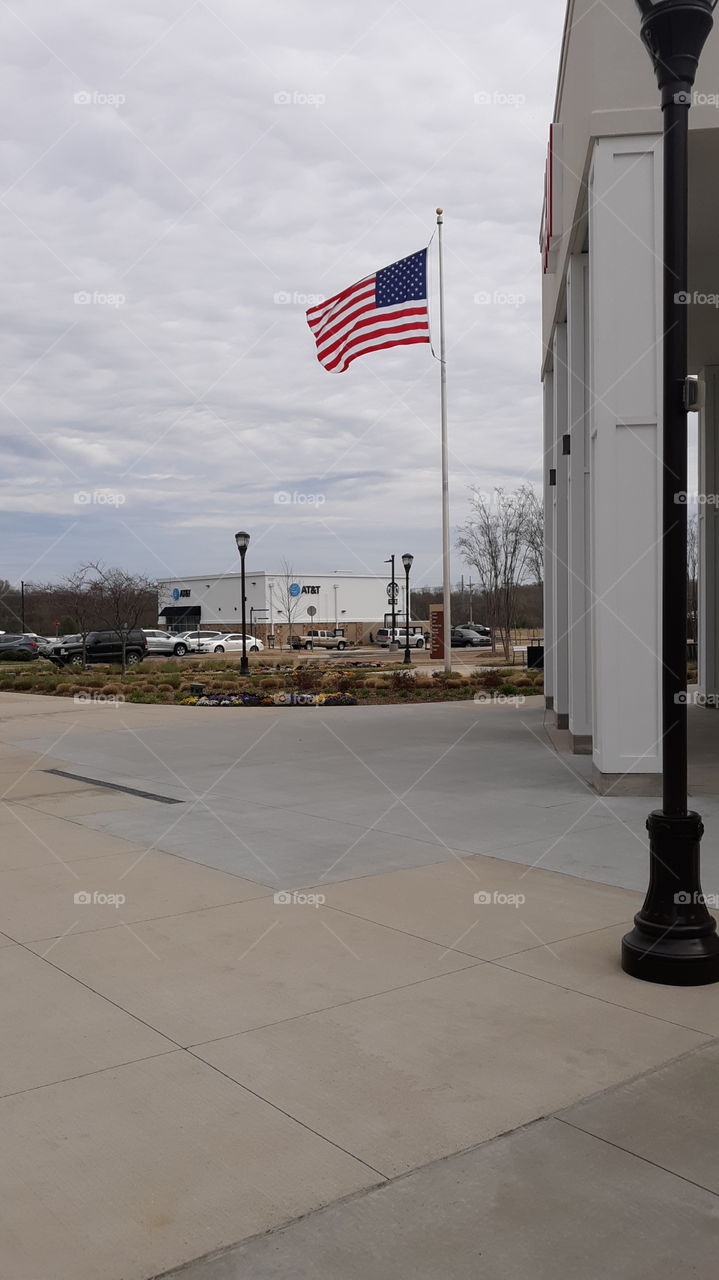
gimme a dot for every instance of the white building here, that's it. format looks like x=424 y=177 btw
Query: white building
x=602 y=337
x=350 y=602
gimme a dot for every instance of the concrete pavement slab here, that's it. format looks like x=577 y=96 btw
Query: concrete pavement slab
x=477 y=780
x=403 y=1078
x=543 y=1203
x=84 y=800
x=274 y=845
x=31 y=838
x=129 y=1171
x=590 y=964
x=213 y=973
x=60 y=1028
x=515 y=910
x=46 y=902
x=669 y=1117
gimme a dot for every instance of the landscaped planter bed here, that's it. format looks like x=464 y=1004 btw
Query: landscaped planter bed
x=219 y=684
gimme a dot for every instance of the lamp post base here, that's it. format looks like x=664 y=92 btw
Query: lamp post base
x=674 y=940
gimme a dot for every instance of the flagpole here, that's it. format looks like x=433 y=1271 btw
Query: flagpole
x=446 y=583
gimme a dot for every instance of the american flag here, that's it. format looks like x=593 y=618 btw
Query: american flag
x=388 y=309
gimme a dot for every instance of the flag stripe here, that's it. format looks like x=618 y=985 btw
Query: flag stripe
x=387 y=309
x=373 y=321
x=382 y=346
x=365 y=339
x=334 y=313
x=337 y=297
x=344 y=323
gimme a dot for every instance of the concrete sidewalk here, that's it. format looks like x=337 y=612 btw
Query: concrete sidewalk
x=600 y=1190
x=196 y=1062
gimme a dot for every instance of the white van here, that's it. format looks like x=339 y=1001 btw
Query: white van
x=316 y=639
x=385 y=635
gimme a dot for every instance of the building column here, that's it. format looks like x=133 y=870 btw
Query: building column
x=560 y=647
x=580 y=662
x=548 y=492
x=708 y=633
x=625 y=292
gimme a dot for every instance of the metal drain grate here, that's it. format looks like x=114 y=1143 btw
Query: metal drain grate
x=114 y=786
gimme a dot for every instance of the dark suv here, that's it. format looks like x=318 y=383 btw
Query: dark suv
x=103 y=646
x=18 y=648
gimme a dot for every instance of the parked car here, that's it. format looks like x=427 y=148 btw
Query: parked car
x=231 y=643
x=17 y=648
x=315 y=638
x=101 y=646
x=463 y=638
x=50 y=645
x=476 y=626
x=385 y=635
x=193 y=639
x=167 y=643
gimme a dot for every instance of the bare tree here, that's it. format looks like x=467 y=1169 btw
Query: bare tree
x=496 y=541
x=289 y=602
x=535 y=535
x=119 y=599
x=82 y=596
x=9 y=606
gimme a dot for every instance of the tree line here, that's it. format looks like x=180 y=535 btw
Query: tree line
x=93 y=598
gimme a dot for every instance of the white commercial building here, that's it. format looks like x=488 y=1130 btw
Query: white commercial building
x=276 y=604
x=602 y=339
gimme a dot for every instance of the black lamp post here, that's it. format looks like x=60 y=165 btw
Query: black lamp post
x=407 y=562
x=674 y=938
x=243 y=542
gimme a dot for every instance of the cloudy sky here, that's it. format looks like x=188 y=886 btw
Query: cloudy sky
x=179 y=178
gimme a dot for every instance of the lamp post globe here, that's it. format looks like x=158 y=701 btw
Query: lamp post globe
x=407 y=562
x=674 y=939
x=674 y=32
x=243 y=541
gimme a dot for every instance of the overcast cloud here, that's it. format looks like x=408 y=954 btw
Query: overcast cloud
x=195 y=171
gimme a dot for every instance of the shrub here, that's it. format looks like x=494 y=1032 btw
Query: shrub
x=304 y=679
x=403 y=681
x=491 y=680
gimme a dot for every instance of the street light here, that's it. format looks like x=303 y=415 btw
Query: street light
x=674 y=938
x=243 y=542
x=407 y=562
